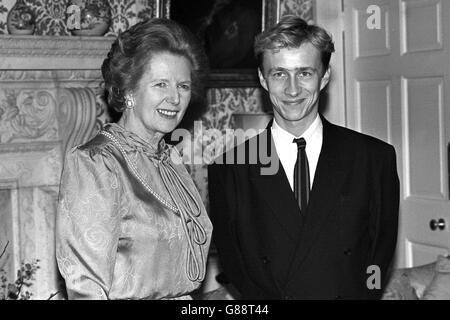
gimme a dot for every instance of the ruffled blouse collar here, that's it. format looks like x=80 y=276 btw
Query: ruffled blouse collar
x=132 y=142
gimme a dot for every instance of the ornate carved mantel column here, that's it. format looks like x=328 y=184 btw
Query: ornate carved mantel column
x=49 y=102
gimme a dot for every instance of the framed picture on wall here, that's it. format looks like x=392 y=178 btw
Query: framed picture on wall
x=227 y=29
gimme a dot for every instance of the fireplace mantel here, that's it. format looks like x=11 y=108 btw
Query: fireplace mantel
x=49 y=102
x=52 y=52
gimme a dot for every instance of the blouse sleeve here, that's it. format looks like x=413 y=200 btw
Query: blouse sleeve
x=87 y=225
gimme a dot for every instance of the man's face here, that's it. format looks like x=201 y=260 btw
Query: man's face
x=293 y=79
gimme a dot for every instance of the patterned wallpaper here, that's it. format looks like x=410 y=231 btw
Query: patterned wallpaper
x=222 y=102
x=302 y=8
x=3 y=15
x=51 y=15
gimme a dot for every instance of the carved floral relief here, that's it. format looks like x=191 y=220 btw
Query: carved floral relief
x=27 y=115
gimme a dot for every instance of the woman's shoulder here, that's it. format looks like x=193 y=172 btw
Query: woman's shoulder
x=99 y=145
x=98 y=141
x=96 y=154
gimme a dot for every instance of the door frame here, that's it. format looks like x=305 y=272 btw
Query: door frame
x=330 y=16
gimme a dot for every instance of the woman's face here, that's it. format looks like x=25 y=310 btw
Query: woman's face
x=162 y=94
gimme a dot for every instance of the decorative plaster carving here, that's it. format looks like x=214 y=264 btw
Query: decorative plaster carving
x=13 y=170
x=77 y=115
x=38 y=52
x=26 y=75
x=91 y=78
x=51 y=167
x=27 y=115
x=26 y=147
x=25 y=46
x=60 y=78
x=33 y=168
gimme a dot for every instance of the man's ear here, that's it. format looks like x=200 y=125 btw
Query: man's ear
x=262 y=80
x=325 y=78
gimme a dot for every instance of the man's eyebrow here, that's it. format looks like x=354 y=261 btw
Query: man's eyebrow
x=294 y=69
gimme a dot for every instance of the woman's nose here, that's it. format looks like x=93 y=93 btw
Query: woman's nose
x=173 y=96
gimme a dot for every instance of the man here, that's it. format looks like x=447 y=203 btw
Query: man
x=324 y=225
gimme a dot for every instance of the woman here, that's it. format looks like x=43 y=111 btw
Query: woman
x=131 y=224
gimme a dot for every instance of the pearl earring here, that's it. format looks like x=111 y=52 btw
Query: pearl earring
x=129 y=101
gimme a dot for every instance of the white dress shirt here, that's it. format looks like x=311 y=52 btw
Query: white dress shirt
x=287 y=150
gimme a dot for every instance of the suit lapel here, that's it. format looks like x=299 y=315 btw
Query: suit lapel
x=275 y=190
x=332 y=168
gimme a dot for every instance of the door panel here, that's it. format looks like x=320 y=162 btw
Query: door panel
x=374 y=114
x=397 y=89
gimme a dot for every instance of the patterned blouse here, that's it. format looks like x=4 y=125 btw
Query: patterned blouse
x=131 y=223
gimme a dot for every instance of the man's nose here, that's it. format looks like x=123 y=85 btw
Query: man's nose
x=293 y=88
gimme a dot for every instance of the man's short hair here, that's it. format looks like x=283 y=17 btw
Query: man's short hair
x=292 y=32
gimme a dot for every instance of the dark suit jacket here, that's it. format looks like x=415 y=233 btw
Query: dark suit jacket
x=269 y=250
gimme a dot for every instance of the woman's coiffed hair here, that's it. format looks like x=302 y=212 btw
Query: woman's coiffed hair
x=133 y=49
x=292 y=32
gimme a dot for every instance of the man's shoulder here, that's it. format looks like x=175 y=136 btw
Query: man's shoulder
x=356 y=140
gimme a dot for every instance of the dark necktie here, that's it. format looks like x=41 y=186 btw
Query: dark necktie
x=301 y=175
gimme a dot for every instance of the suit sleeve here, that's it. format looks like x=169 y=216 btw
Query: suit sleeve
x=384 y=216
x=223 y=204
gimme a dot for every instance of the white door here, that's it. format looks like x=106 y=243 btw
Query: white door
x=398 y=89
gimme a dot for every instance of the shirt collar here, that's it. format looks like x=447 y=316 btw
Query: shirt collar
x=284 y=135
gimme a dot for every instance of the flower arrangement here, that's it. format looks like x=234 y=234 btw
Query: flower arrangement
x=17 y=290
